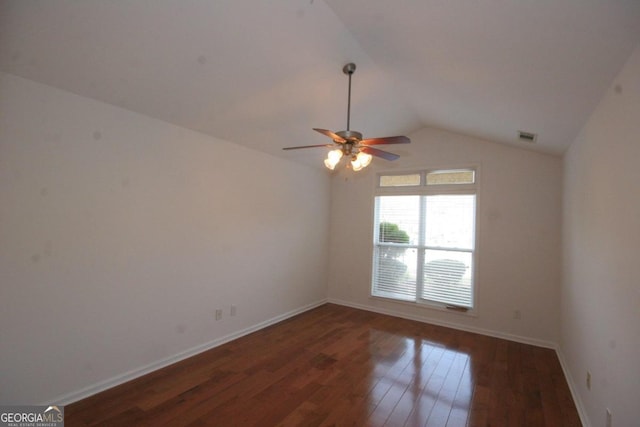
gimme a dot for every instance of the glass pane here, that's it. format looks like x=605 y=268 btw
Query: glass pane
x=399 y=180
x=450 y=221
x=395 y=273
x=448 y=277
x=451 y=177
x=398 y=219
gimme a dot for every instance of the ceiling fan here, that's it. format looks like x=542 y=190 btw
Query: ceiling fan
x=350 y=144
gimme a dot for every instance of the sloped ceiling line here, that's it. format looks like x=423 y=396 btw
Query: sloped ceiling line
x=263 y=74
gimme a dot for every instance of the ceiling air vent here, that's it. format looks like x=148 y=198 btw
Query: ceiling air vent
x=527 y=136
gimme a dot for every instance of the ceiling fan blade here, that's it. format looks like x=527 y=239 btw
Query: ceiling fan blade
x=386 y=140
x=379 y=153
x=308 y=146
x=331 y=135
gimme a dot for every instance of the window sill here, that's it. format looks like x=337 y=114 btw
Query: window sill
x=427 y=306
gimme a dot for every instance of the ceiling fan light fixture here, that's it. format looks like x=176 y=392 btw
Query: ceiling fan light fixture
x=363 y=159
x=333 y=158
x=360 y=161
x=329 y=165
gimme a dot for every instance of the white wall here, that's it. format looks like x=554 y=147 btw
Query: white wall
x=519 y=220
x=120 y=235
x=601 y=234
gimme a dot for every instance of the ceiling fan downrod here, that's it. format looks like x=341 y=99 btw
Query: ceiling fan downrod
x=349 y=69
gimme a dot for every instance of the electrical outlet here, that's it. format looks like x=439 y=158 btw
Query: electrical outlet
x=609 y=422
x=234 y=310
x=218 y=314
x=516 y=314
x=588 y=380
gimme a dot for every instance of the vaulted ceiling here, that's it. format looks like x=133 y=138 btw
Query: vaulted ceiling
x=263 y=73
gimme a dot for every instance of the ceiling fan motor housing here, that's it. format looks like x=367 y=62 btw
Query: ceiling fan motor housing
x=350 y=135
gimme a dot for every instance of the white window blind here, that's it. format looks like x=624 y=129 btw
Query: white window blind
x=398 y=232
x=424 y=247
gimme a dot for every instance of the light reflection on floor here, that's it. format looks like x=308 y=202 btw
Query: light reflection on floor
x=427 y=383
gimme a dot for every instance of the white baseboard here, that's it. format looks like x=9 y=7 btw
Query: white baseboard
x=573 y=389
x=452 y=325
x=154 y=366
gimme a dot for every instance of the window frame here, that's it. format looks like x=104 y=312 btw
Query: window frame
x=428 y=190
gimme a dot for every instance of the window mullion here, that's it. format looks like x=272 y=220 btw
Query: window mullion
x=421 y=245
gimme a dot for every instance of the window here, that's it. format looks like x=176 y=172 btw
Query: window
x=399 y=180
x=424 y=237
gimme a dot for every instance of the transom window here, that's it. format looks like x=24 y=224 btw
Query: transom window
x=424 y=237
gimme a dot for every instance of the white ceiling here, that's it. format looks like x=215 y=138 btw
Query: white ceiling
x=263 y=73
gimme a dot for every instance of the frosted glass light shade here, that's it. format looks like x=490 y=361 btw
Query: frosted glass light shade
x=364 y=158
x=361 y=161
x=333 y=158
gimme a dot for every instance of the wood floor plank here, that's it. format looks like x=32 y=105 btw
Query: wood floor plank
x=338 y=366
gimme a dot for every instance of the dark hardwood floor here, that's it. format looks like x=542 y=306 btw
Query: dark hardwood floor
x=340 y=366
